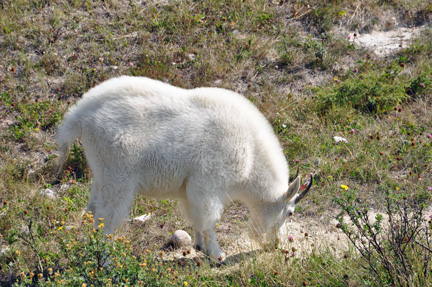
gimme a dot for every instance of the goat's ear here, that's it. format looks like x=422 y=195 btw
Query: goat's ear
x=293 y=189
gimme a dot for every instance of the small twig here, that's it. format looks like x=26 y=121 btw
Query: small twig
x=290 y=104
x=30 y=243
x=425 y=247
x=131 y=35
x=349 y=152
x=305 y=13
x=355 y=12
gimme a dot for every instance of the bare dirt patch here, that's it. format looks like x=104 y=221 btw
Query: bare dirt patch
x=302 y=233
x=386 y=42
x=301 y=236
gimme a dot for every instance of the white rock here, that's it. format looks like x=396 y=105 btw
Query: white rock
x=64 y=187
x=180 y=238
x=339 y=139
x=384 y=42
x=48 y=193
x=4 y=250
x=142 y=218
x=191 y=57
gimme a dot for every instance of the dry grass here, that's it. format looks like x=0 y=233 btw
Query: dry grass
x=273 y=52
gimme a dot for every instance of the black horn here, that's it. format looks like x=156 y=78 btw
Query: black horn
x=304 y=192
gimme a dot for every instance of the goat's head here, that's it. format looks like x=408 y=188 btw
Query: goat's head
x=273 y=216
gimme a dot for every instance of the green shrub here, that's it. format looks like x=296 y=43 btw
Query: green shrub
x=420 y=85
x=371 y=92
x=394 y=246
x=30 y=116
x=87 y=256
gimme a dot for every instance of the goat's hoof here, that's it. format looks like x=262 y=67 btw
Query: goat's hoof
x=198 y=247
x=218 y=256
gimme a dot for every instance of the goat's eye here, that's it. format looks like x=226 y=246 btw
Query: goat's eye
x=289 y=213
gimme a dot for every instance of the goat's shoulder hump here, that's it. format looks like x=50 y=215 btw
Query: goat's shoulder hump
x=127 y=86
x=223 y=99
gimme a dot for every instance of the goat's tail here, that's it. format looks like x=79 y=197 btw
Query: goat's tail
x=69 y=130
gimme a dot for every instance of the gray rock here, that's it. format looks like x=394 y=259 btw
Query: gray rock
x=4 y=250
x=339 y=139
x=48 y=193
x=142 y=218
x=180 y=238
x=318 y=162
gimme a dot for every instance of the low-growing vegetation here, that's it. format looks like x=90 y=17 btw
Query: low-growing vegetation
x=300 y=63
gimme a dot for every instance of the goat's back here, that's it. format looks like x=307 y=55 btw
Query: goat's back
x=163 y=134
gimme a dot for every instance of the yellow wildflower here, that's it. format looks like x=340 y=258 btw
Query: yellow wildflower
x=343 y=186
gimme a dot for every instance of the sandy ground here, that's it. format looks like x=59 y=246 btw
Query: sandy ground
x=386 y=42
x=308 y=234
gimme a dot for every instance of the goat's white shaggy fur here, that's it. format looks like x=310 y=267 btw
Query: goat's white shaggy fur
x=205 y=147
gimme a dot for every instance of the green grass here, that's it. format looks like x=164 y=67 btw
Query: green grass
x=285 y=56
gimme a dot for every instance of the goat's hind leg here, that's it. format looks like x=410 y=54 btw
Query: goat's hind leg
x=110 y=202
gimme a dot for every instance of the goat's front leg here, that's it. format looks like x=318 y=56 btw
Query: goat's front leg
x=199 y=240
x=206 y=242
x=211 y=246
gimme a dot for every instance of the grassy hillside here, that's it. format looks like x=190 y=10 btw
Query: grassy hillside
x=295 y=61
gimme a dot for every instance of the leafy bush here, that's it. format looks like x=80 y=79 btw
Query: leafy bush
x=30 y=116
x=420 y=85
x=395 y=246
x=87 y=256
x=76 y=164
x=372 y=92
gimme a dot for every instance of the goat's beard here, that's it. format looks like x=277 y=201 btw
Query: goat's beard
x=266 y=240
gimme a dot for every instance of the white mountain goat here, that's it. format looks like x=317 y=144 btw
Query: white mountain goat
x=205 y=147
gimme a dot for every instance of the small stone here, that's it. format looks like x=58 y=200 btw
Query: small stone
x=339 y=139
x=142 y=218
x=180 y=238
x=4 y=250
x=48 y=193
x=192 y=57
x=318 y=162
